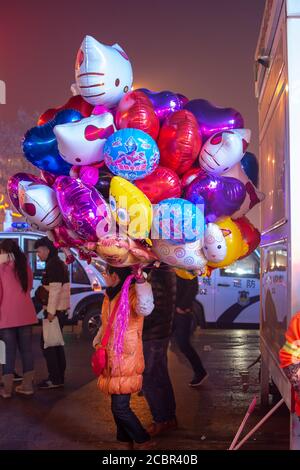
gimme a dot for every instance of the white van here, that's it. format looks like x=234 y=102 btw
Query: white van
x=230 y=297
x=87 y=283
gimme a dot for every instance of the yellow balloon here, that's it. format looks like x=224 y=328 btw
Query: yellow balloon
x=130 y=208
x=184 y=274
x=236 y=246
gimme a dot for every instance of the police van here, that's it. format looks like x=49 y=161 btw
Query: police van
x=87 y=283
x=230 y=297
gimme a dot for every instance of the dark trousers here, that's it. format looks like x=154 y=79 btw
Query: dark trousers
x=182 y=333
x=17 y=338
x=129 y=428
x=55 y=357
x=157 y=386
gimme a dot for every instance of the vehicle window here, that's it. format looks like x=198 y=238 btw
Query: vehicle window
x=79 y=275
x=98 y=264
x=247 y=267
x=36 y=265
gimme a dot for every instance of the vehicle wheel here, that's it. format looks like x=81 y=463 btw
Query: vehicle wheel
x=91 y=322
x=199 y=315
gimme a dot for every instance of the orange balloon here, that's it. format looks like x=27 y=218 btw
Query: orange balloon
x=135 y=110
x=179 y=141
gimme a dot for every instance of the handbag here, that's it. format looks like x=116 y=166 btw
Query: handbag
x=52 y=333
x=99 y=357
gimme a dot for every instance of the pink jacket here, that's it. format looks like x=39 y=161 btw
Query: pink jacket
x=16 y=307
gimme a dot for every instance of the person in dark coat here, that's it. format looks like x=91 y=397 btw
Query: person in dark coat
x=186 y=291
x=157 y=386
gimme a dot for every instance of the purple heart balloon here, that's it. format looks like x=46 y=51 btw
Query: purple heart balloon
x=165 y=102
x=83 y=209
x=212 y=119
x=222 y=195
x=13 y=186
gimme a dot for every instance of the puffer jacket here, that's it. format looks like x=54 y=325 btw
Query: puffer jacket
x=159 y=324
x=123 y=374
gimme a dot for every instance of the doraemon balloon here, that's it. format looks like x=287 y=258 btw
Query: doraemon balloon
x=223 y=150
x=38 y=203
x=131 y=154
x=82 y=142
x=103 y=73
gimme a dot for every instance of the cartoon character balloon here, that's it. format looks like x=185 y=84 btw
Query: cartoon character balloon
x=13 y=186
x=83 y=208
x=131 y=154
x=223 y=150
x=187 y=256
x=178 y=221
x=214 y=247
x=251 y=234
x=235 y=244
x=103 y=73
x=130 y=208
x=38 y=203
x=82 y=142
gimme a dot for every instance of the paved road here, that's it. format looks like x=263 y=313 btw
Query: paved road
x=79 y=417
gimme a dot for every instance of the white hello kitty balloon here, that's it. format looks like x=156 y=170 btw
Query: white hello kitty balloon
x=82 y=142
x=38 y=203
x=223 y=150
x=103 y=73
x=214 y=248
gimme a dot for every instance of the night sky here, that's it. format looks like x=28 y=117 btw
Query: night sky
x=201 y=48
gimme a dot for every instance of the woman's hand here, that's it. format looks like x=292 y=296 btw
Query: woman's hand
x=138 y=274
x=97 y=339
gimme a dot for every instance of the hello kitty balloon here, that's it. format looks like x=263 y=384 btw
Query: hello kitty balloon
x=214 y=248
x=82 y=142
x=223 y=150
x=103 y=73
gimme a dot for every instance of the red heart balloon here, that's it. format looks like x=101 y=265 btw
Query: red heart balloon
x=179 y=141
x=250 y=234
x=75 y=102
x=135 y=110
x=161 y=184
x=191 y=175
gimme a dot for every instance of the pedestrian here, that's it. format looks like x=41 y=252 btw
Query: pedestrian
x=122 y=375
x=186 y=291
x=54 y=296
x=157 y=385
x=17 y=315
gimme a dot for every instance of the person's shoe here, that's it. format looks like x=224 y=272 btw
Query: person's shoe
x=198 y=379
x=48 y=384
x=26 y=387
x=17 y=377
x=147 y=445
x=159 y=428
x=6 y=390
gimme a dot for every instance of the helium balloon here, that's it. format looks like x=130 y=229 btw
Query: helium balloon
x=76 y=103
x=13 y=186
x=130 y=208
x=47 y=178
x=163 y=183
x=164 y=102
x=82 y=142
x=187 y=256
x=136 y=111
x=184 y=274
x=178 y=221
x=103 y=73
x=83 y=209
x=103 y=183
x=214 y=247
x=222 y=195
x=131 y=154
x=100 y=109
x=223 y=150
x=40 y=145
x=236 y=246
x=253 y=196
x=250 y=166
x=122 y=251
x=212 y=119
x=250 y=234
x=38 y=203
x=183 y=99
x=179 y=141
x=64 y=237
x=191 y=175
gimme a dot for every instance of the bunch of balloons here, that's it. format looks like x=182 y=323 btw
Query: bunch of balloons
x=136 y=176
